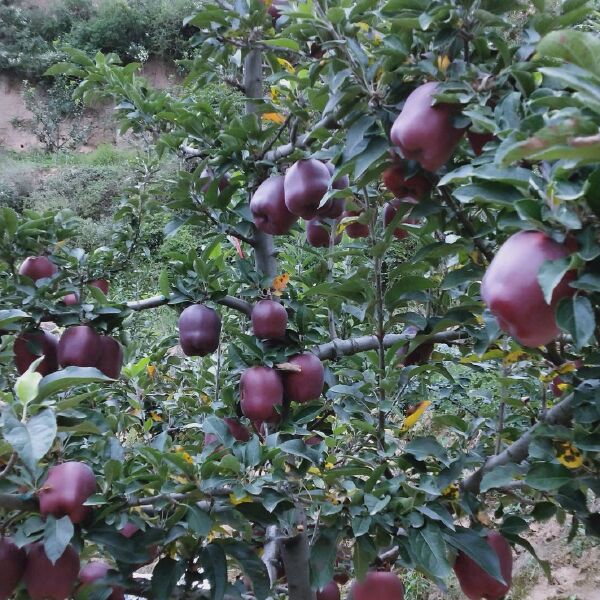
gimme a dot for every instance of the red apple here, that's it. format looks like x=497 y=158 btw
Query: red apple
x=238 y=431
x=261 y=390
x=401 y=186
x=37 y=267
x=274 y=7
x=341 y=183
x=269 y=212
x=425 y=133
x=332 y=209
x=305 y=184
x=479 y=140
x=129 y=530
x=199 y=330
x=96 y=570
x=342 y=578
x=330 y=592
x=13 y=561
x=317 y=233
x=47 y=581
x=380 y=585
x=209 y=174
x=269 y=320
x=79 y=346
x=477 y=583
x=391 y=209
x=355 y=230
x=511 y=290
x=73 y=298
x=314 y=440
x=30 y=346
x=111 y=357
x=419 y=356
x=306 y=384
x=66 y=488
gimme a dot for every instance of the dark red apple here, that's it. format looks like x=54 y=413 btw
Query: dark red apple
x=332 y=209
x=209 y=174
x=390 y=210
x=330 y=592
x=30 y=346
x=317 y=233
x=306 y=384
x=380 y=585
x=37 y=267
x=111 y=357
x=305 y=184
x=274 y=7
x=355 y=230
x=269 y=212
x=199 y=330
x=511 y=290
x=269 y=320
x=477 y=583
x=261 y=390
x=419 y=356
x=66 y=488
x=425 y=133
x=314 y=440
x=479 y=140
x=129 y=530
x=238 y=431
x=47 y=581
x=341 y=183
x=96 y=570
x=401 y=186
x=13 y=561
x=342 y=578
x=79 y=346
x=73 y=298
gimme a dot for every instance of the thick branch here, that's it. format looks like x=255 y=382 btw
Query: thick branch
x=271 y=553
x=337 y=348
x=302 y=142
x=295 y=552
x=155 y=301
x=18 y=502
x=559 y=414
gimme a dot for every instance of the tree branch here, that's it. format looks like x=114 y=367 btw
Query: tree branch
x=559 y=414
x=339 y=347
x=271 y=552
x=295 y=552
x=156 y=301
x=18 y=502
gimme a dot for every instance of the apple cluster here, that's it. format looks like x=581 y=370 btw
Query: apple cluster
x=63 y=494
x=80 y=345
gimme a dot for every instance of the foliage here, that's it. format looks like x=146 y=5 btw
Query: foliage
x=377 y=485
x=57 y=121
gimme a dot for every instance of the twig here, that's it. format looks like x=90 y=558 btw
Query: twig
x=9 y=465
x=156 y=301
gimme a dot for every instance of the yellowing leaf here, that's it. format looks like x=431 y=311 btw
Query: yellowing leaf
x=513 y=357
x=280 y=282
x=569 y=456
x=151 y=370
x=286 y=65
x=156 y=417
x=329 y=465
x=241 y=500
x=274 y=117
x=179 y=479
x=451 y=492
x=274 y=93
x=204 y=399
x=414 y=417
x=314 y=470
x=443 y=62
x=568 y=367
x=363 y=26
x=377 y=41
x=186 y=457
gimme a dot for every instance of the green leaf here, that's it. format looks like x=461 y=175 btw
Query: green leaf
x=499 y=476
x=164 y=284
x=10 y=316
x=251 y=564
x=547 y=476
x=68 y=378
x=58 y=533
x=31 y=440
x=299 y=448
x=26 y=387
x=323 y=554
x=199 y=521
x=550 y=275
x=428 y=550
x=476 y=547
x=576 y=316
x=165 y=576
x=364 y=554
x=214 y=562
x=423 y=447
x=283 y=43
x=577 y=47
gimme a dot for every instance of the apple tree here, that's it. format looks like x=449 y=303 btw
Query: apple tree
x=388 y=354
